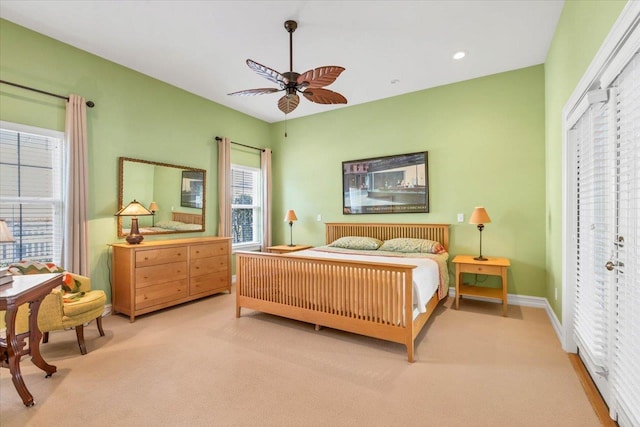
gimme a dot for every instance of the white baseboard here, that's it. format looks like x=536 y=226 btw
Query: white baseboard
x=525 y=301
x=108 y=309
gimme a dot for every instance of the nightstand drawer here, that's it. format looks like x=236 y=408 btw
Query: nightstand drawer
x=480 y=269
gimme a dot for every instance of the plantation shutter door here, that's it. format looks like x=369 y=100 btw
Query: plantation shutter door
x=625 y=377
x=594 y=231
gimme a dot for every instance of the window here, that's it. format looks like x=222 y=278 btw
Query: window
x=31 y=192
x=245 y=207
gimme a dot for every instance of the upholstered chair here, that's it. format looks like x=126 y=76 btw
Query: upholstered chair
x=70 y=307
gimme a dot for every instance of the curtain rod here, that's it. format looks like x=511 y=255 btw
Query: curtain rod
x=237 y=143
x=90 y=104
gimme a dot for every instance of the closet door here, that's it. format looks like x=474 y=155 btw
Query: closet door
x=595 y=230
x=606 y=140
x=625 y=265
x=601 y=217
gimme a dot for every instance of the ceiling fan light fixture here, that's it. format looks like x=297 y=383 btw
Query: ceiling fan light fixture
x=292 y=82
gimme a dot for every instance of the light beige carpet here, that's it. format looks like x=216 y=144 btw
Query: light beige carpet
x=198 y=365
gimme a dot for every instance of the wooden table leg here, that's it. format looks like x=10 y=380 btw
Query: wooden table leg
x=14 y=352
x=457 y=285
x=503 y=274
x=34 y=339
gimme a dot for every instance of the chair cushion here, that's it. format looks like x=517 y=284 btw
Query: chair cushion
x=90 y=301
x=69 y=284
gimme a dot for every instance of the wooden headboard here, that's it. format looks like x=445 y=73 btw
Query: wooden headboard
x=187 y=218
x=437 y=232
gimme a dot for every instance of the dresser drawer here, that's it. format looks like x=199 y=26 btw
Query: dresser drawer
x=493 y=270
x=208 y=250
x=201 y=266
x=161 y=256
x=160 y=294
x=146 y=276
x=209 y=282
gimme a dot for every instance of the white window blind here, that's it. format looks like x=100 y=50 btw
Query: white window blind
x=594 y=231
x=245 y=206
x=31 y=195
x=626 y=345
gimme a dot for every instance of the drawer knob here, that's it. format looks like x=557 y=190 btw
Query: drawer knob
x=197 y=268
x=146 y=258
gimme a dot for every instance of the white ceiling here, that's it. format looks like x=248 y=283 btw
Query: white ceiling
x=201 y=46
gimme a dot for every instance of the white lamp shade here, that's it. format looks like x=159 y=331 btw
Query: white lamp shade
x=5 y=233
x=133 y=209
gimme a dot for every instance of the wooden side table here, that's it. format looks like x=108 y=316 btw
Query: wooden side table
x=285 y=249
x=492 y=267
x=31 y=289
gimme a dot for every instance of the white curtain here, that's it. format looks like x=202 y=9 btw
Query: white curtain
x=75 y=242
x=265 y=167
x=224 y=187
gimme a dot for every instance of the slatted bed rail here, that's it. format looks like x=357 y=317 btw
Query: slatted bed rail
x=368 y=298
x=435 y=232
x=329 y=292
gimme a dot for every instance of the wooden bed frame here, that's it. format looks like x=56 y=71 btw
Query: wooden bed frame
x=372 y=299
x=187 y=218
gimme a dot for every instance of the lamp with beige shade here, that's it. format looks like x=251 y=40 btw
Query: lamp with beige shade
x=134 y=209
x=480 y=217
x=291 y=217
x=153 y=207
x=5 y=237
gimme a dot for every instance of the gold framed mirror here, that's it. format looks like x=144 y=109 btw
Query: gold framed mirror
x=175 y=194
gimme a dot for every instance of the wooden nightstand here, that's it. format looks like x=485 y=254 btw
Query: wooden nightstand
x=285 y=249
x=492 y=267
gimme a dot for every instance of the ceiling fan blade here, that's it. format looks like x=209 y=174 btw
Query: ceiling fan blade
x=267 y=73
x=252 y=92
x=320 y=77
x=324 y=96
x=288 y=103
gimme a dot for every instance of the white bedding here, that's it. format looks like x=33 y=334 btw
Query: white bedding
x=426 y=276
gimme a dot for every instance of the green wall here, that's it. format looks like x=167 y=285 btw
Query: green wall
x=494 y=141
x=485 y=139
x=581 y=30
x=135 y=116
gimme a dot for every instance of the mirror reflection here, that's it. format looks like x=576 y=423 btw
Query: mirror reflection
x=174 y=194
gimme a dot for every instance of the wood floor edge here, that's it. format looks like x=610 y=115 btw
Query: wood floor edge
x=600 y=408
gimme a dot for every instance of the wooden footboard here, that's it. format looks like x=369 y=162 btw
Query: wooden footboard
x=372 y=299
x=368 y=299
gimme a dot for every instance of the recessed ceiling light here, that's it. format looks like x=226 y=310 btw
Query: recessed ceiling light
x=459 y=55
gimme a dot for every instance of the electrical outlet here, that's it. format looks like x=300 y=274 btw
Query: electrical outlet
x=460 y=217
x=319 y=218
x=556 y=290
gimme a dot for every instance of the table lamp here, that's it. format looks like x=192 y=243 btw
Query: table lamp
x=134 y=210
x=153 y=207
x=480 y=217
x=291 y=217
x=5 y=237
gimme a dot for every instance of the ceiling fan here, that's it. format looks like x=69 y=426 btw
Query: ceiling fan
x=310 y=84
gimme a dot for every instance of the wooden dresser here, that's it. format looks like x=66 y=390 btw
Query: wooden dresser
x=158 y=274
